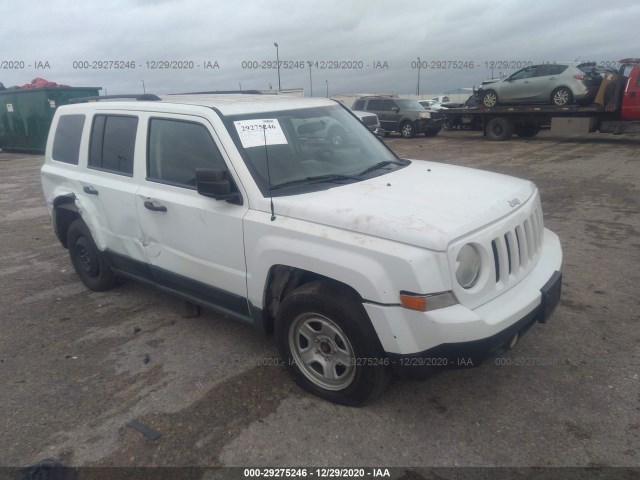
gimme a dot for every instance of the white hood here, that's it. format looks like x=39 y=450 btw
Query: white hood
x=426 y=204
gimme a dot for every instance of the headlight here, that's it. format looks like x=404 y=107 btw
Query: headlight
x=468 y=265
x=425 y=114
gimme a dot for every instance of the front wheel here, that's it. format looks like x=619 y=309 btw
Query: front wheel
x=329 y=345
x=89 y=262
x=337 y=136
x=490 y=98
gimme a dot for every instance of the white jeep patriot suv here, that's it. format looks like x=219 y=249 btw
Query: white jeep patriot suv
x=359 y=261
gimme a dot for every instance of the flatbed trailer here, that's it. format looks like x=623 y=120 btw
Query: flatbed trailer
x=616 y=110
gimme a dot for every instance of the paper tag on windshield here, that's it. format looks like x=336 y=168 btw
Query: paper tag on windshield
x=256 y=133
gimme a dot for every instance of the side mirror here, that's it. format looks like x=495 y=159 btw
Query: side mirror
x=213 y=182
x=396 y=109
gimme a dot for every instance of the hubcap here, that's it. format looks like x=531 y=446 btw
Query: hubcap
x=88 y=263
x=337 y=140
x=561 y=97
x=322 y=351
x=489 y=100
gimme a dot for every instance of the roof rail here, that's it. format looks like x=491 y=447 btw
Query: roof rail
x=100 y=98
x=385 y=95
x=221 y=92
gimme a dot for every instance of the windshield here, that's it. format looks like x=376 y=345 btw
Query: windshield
x=309 y=149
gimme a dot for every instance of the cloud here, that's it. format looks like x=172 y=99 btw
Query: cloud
x=355 y=34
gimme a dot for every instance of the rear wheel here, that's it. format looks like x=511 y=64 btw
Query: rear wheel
x=89 y=262
x=561 y=96
x=407 y=130
x=499 y=129
x=330 y=347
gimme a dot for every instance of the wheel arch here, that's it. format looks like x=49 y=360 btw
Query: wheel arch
x=284 y=279
x=65 y=212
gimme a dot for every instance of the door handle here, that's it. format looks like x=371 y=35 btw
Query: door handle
x=90 y=190
x=153 y=206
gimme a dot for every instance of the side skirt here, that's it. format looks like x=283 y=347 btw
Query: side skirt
x=193 y=291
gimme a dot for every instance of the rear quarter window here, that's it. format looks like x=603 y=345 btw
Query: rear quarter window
x=66 y=140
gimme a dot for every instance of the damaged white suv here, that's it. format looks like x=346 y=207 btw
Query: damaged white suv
x=359 y=261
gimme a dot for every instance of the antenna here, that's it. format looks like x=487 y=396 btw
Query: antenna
x=266 y=154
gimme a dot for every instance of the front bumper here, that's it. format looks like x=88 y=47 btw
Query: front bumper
x=476 y=352
x=462 y=337
x=424 y=125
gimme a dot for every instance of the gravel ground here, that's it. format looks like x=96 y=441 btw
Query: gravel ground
x=76 y=366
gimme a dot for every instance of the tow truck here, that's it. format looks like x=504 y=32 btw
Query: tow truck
x=615 y=109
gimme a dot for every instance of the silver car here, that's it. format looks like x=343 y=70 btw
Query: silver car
x=557 y=84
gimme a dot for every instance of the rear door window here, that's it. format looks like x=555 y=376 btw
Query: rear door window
x=388 y=105
x=113 y=140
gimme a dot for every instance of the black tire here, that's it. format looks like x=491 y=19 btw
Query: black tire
x=333 y=319
x=449 y=125
x=489 y=98
x=89 y=262
x=561 y=96
x=337 y=136
x=407 y=130
x=499 y=129
x=431 y=133
x=527 y=131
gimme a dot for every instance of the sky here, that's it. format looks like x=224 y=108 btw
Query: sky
x=177 y=46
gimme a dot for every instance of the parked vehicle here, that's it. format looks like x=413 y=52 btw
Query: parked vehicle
x=615 y=109
x=404 y=116
x=556 y=84
x=372 y=122
x=359 y=261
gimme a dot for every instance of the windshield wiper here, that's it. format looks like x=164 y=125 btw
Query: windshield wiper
x=375 y=167
x=316 y=179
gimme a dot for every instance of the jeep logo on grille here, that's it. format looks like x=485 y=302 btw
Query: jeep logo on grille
x=513 y=203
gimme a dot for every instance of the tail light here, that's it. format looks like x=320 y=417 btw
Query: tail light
x=580 y=77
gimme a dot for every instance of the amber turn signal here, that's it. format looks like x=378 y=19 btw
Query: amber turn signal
x=414 y=302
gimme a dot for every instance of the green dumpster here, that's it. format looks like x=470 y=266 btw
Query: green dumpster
x=26 y=113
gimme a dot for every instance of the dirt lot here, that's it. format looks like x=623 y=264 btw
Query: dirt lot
x=76 y=366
